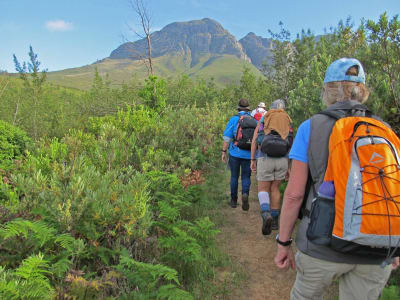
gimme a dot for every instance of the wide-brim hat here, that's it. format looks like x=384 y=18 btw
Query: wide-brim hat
x=262 y=104
x=243 y=104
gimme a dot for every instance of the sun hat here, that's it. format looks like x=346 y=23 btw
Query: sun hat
x=278 y=104
x=243 y=104
x=337 y=71
x=262 y=104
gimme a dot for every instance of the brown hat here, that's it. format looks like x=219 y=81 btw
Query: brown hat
x=243 y=104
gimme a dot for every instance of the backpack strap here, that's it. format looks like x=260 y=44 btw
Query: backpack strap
x=310 y=185
x=238 y=131
x=347 y=111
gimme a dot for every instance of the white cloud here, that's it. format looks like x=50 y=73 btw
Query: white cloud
x=59 y=25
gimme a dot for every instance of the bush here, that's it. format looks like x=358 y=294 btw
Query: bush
x=13 y=142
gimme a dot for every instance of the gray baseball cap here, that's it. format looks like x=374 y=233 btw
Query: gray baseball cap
x=337 y=71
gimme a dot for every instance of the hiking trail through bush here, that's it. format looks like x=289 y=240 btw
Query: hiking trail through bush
x=242 y=239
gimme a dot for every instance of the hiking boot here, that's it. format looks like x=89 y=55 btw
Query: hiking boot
x=245 y=202
x=266 y=223
x=275 y=223
x=233 y=203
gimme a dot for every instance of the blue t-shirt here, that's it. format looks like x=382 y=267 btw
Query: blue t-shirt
x=229 y=136
x=300 y=144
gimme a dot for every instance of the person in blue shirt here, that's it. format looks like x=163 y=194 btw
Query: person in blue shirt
x=359 y=276
x=239 y=159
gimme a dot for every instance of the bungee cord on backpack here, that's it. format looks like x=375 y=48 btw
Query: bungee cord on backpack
x=382 y=175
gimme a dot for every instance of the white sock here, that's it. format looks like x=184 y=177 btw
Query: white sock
x=263 y=197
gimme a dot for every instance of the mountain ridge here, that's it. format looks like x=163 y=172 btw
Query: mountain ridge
x=192 y=38
x=198 y=48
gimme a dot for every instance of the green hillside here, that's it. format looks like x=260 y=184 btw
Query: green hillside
x=223 y=68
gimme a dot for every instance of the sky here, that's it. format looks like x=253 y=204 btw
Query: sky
x=73 y=33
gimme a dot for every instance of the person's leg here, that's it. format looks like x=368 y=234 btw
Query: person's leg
x=264 y=188
x=246 y=182
x=280 y=170
x=275 y=202
x=364 y=282
x=234 y=165
x=314 y=276
x=265 y=177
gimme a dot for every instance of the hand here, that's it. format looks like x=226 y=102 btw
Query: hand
x=395 y=263
x=223 y=157
x=253 y=165
x=287 y=175
x=284 y=258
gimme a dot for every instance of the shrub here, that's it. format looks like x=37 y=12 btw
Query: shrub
x=13 y=142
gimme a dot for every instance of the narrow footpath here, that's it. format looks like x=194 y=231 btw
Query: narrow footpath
x=254 y=253
x=242 y=239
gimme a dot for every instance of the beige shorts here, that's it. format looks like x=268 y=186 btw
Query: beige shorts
x=272 y=168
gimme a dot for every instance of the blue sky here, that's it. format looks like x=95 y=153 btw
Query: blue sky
x=72 y=33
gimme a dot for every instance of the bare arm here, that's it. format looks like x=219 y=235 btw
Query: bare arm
x=290 y=210
x=225 y=147
x=253 y=164
x=293 y=198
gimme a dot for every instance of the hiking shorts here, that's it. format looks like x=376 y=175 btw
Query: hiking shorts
x=272 y=168
x=356 y=281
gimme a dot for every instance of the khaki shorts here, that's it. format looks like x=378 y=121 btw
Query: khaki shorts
x=272 y=168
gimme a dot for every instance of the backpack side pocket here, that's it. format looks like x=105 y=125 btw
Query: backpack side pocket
x=322 y=218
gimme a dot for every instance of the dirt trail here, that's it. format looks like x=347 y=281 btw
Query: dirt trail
x=241 y=238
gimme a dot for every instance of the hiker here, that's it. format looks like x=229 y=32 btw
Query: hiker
x=259 y=111
x=237 y=137
x=362 y=271
x=272 y=162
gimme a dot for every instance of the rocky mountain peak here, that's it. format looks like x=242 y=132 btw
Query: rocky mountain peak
x=194 y=38
x=257 y=48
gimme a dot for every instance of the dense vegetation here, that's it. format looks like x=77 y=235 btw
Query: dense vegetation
x=101 y=194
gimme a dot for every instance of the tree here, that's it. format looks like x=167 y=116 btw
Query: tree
x=154 y=93
x=33 y=84
x=383 y=59
x=145 y=20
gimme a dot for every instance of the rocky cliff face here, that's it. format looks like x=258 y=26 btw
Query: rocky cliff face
x=193 y=38
x=257 y=48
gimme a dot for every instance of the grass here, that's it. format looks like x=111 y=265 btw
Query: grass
x=224 y=69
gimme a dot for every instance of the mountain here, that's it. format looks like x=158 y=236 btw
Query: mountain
x=199 y=48
x=257 y=48
x=193 y=38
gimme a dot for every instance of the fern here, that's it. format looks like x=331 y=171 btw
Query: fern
x=58 y=251
x=148 y=279
x=28 y=281
x=42 y=233
x=171 y=292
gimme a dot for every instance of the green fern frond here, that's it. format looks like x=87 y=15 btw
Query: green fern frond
x=41 y=231
x=61 y=266
x=66 y=241
x=33 y=267
x=171 y=292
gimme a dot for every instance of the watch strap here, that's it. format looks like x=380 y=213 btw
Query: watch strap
x=286 y=243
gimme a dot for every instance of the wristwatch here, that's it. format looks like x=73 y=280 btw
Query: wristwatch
x=287 y=243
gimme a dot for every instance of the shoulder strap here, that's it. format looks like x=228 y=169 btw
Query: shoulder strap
x=304 y=211
x=347 y=110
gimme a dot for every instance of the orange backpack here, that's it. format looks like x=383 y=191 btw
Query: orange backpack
x=362 y=214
